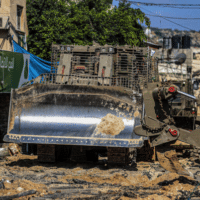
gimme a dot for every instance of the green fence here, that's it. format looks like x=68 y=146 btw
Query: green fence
x=14 y=70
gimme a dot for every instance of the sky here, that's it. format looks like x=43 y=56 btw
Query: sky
x=159 y=22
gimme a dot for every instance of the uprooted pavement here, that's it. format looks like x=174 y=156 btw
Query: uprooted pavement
x=23 y=177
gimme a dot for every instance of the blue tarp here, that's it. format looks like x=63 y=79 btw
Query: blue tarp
x=37 y=65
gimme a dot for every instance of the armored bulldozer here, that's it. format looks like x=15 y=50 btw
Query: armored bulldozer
x=103 y=100
x=69 y=108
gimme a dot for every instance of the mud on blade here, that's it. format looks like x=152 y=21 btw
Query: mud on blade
x=69 y=114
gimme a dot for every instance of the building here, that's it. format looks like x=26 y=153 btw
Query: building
x=13 y=22
x=152 y=45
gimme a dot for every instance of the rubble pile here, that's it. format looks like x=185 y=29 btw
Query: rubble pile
x=23 y=177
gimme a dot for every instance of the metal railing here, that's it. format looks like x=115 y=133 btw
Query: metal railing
x=128 y=82
x=51 y=78
x=133 y=63
x=130 y=67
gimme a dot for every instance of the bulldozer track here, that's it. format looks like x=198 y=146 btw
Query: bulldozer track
x=145 y=153
x=194 y=153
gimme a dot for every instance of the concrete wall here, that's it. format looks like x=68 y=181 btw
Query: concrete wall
x=5 y=7
x=13 y=16
x=4 y=108
x=4 y=12
x=9 y=9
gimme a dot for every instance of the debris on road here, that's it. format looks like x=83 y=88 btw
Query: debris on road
x=18 y=195
x=23 y=174
x=14 y=148
x=4 y=152
x=9 y=149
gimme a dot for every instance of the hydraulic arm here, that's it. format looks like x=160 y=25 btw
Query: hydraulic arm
x=161 y=127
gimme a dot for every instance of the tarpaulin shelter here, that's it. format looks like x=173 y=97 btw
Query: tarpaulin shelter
x=37 y=65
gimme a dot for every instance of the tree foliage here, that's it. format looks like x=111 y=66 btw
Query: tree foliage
x=67 y=22
x=123 y=26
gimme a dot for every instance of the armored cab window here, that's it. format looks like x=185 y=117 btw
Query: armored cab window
x=123 y=63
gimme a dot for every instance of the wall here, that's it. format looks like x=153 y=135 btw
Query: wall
x=9 y=9
x=13 y=17
x=5 y=8
x=4 y=108
x=4 y=12
x=14 y=70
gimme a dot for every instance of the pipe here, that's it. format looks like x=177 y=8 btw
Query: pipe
x=187 y=95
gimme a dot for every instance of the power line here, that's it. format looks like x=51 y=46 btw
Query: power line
x=174 y=17
x=179 y=6
x=165 y=18
x=166 y=4
x=192 y=8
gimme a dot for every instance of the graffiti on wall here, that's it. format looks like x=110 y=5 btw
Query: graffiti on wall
x=14 y=70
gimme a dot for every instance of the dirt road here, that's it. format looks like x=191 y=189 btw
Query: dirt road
x=25 y=177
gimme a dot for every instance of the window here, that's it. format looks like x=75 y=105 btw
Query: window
x=21 y=40
x=1 y=21
x=19 y=15
x=0 y=3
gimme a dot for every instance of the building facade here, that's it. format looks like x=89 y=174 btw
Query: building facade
x=13 y=22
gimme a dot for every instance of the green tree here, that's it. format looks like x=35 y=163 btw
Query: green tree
x=82 y=20
x=82 y=23
x=123 y=26
x=47 y=23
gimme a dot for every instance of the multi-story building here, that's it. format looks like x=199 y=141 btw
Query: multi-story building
x=13 y=22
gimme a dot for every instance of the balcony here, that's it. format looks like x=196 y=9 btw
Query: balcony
x=4 y=23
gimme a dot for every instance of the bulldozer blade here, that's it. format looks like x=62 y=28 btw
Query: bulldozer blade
x=169 y=161
x=164 y=162
x=190 y=137
x=70 y=114
x=171 y=155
